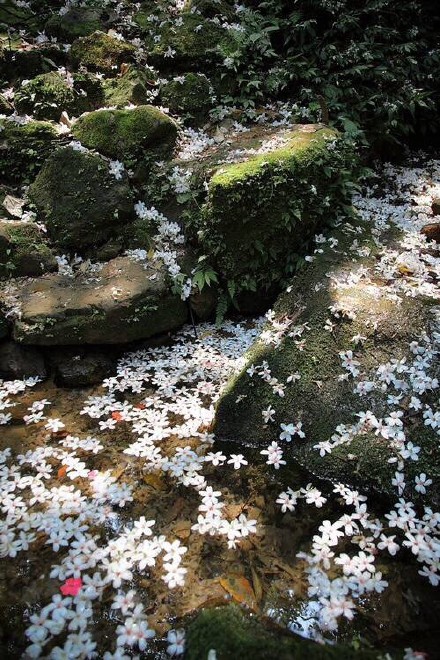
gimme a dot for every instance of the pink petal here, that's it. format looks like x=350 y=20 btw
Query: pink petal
x=71 y=587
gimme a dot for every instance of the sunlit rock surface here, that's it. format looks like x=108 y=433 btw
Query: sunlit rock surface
x=124 y=301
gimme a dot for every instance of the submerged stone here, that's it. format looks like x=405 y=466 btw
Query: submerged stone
x=125 y=301
x=79 y=369
x=81 y=203
x=21 y=361
x=234 y=634
x=120 y=134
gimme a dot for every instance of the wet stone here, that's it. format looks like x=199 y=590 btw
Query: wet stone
x=80 y=370
x=21 y=361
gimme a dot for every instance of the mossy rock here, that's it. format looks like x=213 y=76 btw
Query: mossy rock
x=15 y=64
x=101 y=52
x=122 y=134
x=16 y=17
x=23 y=250
x=133 y=86
x=5 y=107
x=260 y=213
x=234 y=634
x=195 y=44
x=320 y=399
x=76 y=22
x=190 y=95
x=24 y=148
x=48 y=94
x=81 y=203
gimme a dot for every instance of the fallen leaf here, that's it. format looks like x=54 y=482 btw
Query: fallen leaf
x=183 y=529
x=240 y=589
x=62 y=472
x=117 y=416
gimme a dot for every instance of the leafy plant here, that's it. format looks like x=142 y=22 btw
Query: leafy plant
x=372 y=66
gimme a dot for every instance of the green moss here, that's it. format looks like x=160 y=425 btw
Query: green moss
x=260 y=214
x=190 y=95
x=24 y=148
x=76 y=22
x=233 y=634
x=125 y=133
x=193 y=46
x=134 y=86
x=319 y=398
x=101 y=52
x=80 y=201
x=48 y=94
x=16 y=17
x=23 y=250
x=5 y=107
x=20 y=63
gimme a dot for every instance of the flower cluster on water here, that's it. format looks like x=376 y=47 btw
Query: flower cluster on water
x=187 y=379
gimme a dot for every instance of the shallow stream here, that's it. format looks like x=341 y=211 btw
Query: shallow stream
x=84 y=474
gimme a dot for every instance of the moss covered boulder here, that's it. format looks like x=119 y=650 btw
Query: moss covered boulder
x=232 y=633
x=192 y=44
x=5 y=107
x=76 y=22
x=122 y=134
x=24 y=148
x=15 y=64
x=190 y=95
x=47 y=95
x=268 y=193
x=126 y=301
x=101 y=52
x=23 y=250
x=18 y=17
x=131 y=87
x=333 y=313
x=81 y=203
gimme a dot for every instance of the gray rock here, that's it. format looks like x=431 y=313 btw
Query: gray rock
x=124 y=302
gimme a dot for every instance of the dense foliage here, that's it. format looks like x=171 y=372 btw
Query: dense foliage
x=368 y=65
